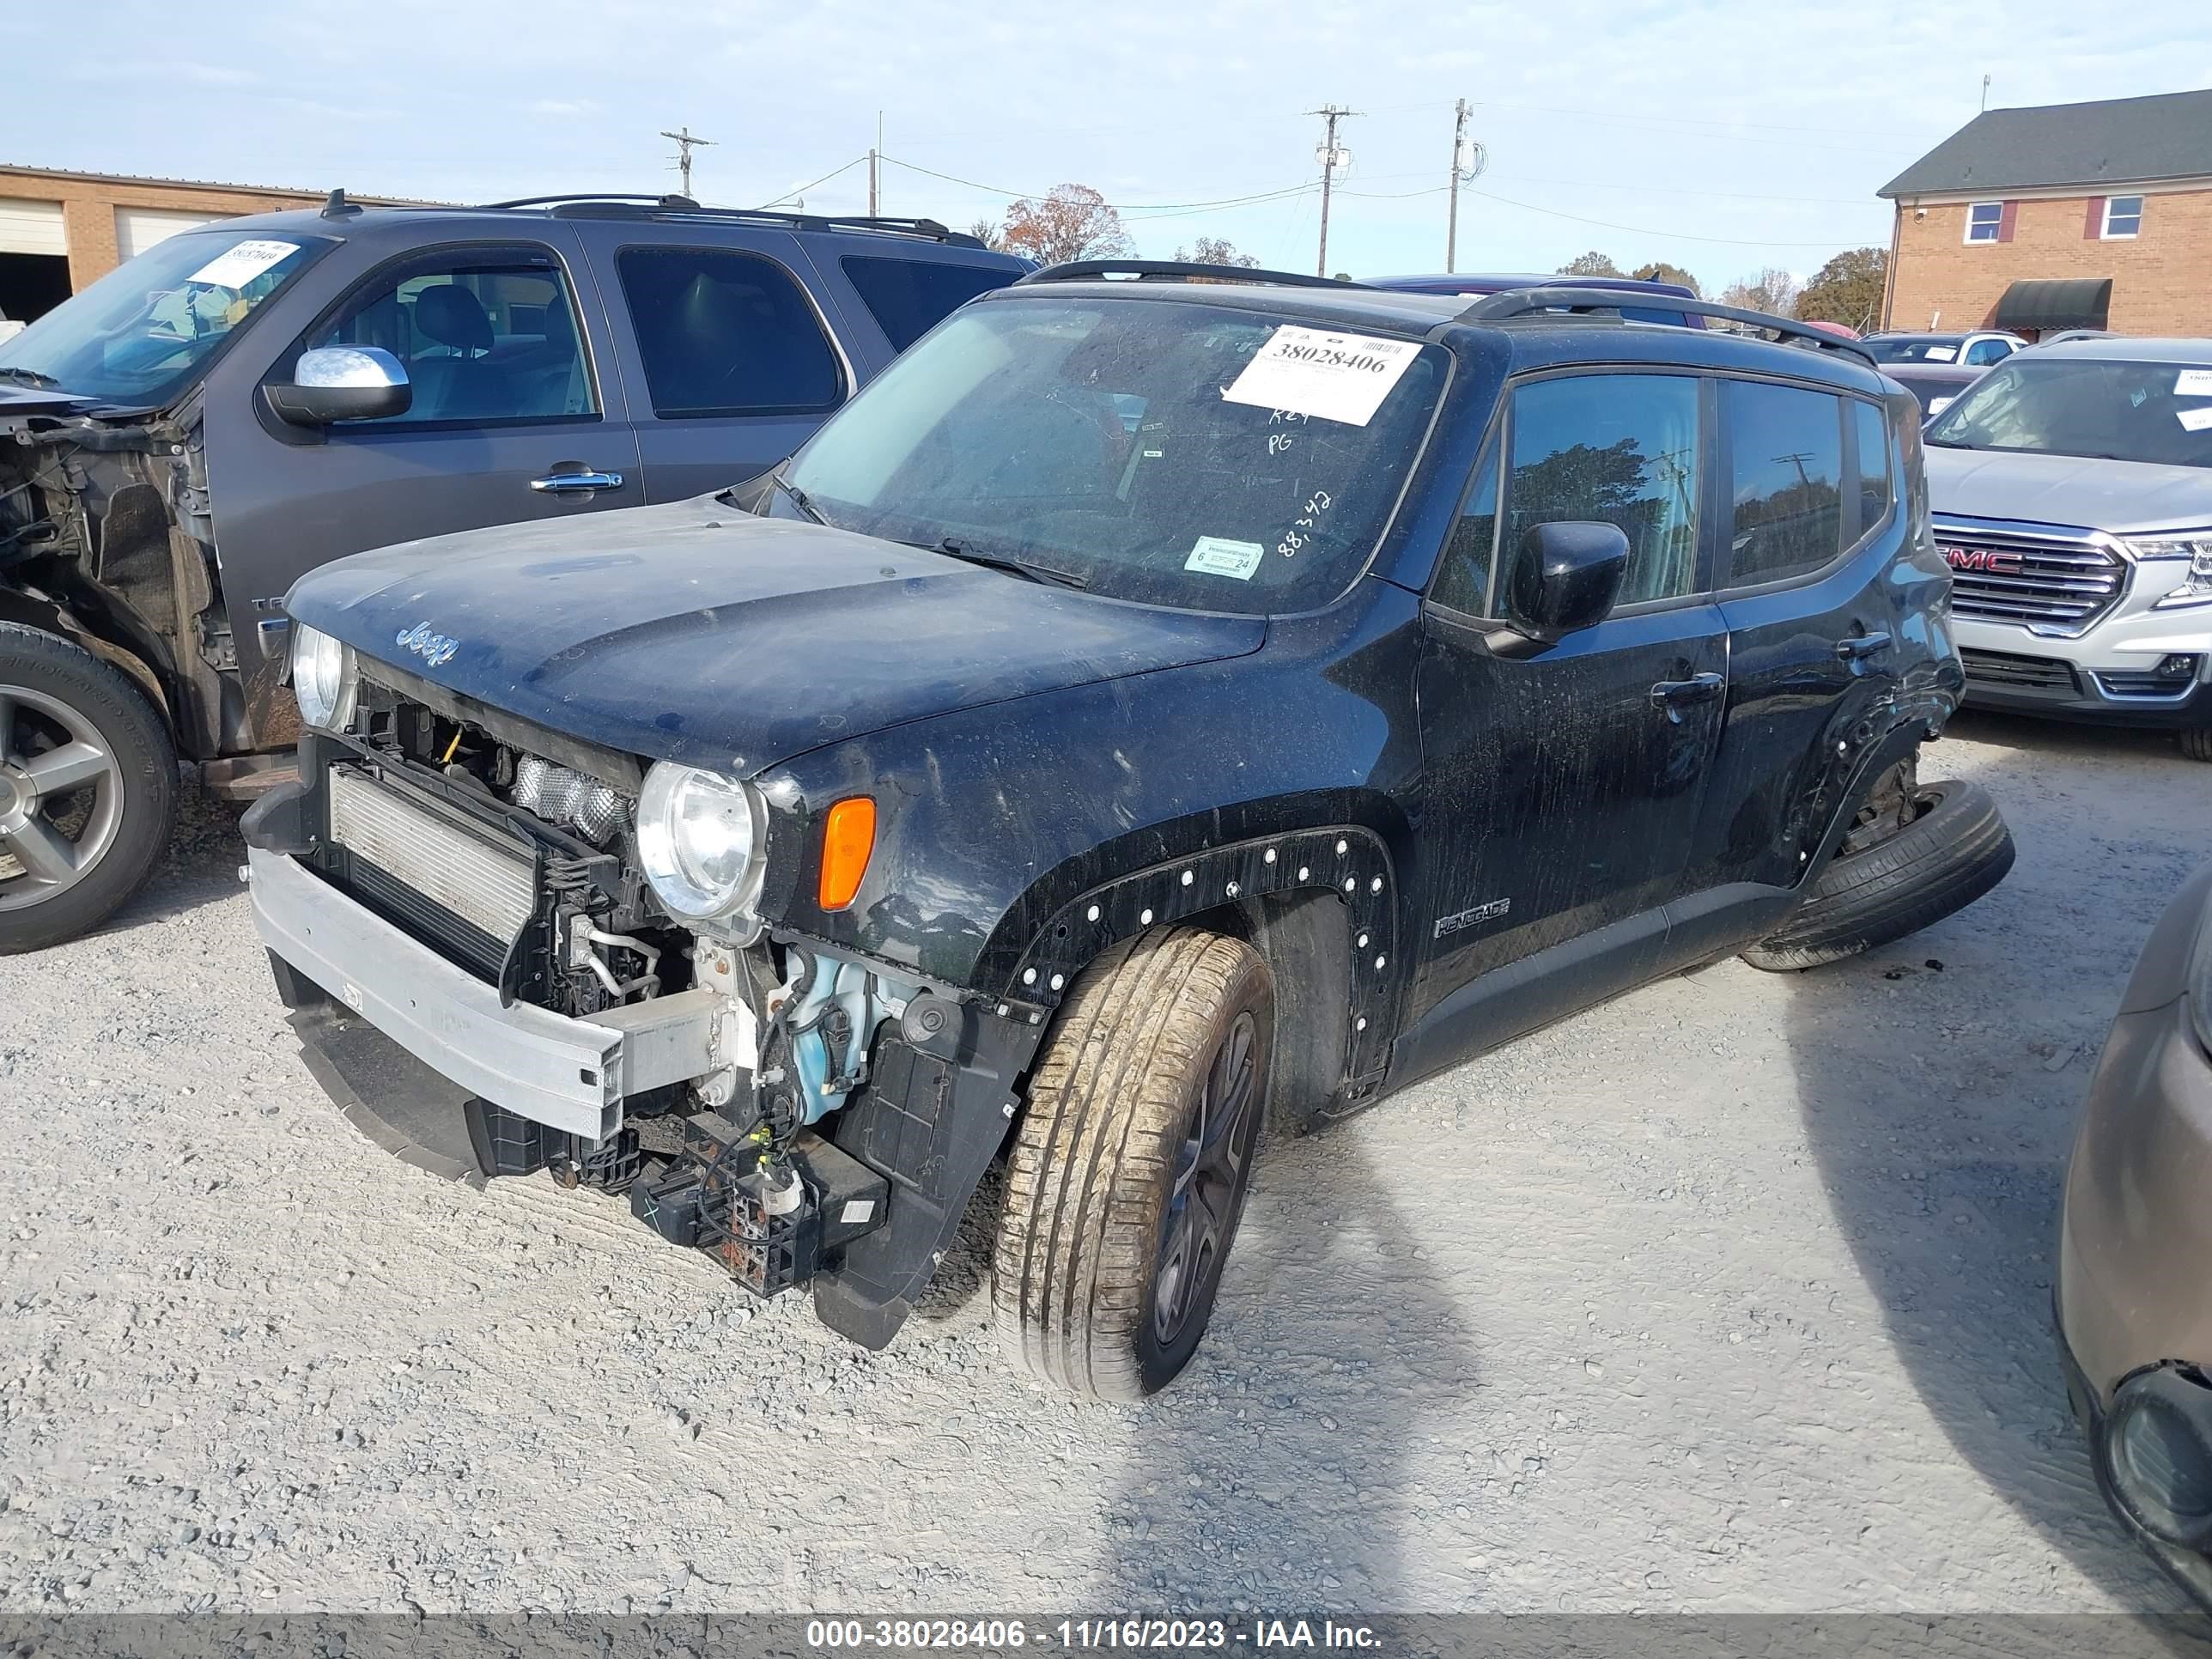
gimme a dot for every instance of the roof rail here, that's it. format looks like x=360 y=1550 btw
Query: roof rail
x=593 y=196
x=1595 y=296
x=615 y=204
x=1078 y=270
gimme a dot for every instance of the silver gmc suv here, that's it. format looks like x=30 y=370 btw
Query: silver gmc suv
x=2072 y=489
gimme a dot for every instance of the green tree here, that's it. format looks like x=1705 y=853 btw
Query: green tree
x=1660 y=271
x=1847 y=289
x=1592 y=264
x=1215 y=251
x=990 y=233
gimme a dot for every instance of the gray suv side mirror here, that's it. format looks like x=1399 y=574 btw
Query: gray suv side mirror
x=1563 y=578
x=343 y=383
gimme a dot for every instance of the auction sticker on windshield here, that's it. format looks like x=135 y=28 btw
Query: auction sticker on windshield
x=1328 y=376
x=242 y=263
x=1213 y=555
x=2193 y=383
x=2194 y=420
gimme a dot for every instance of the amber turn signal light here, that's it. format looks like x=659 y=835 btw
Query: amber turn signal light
x=847 y=838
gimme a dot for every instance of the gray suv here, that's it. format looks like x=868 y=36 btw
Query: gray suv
x=184 y=440
x=2072 y=489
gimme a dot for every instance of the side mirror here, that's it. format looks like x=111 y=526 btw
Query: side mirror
x=1563 y=578
x=343 y=383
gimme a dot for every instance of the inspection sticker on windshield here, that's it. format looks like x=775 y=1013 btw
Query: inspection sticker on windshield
x=2194 y=420
x=1941 y=354
x=242 y=263
x=1330 y=377
x=1214 y=557
x=2193 y=383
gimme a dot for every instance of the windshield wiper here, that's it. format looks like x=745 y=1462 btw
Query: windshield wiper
x=29 y=376
x=798 y=497
x=953 y=548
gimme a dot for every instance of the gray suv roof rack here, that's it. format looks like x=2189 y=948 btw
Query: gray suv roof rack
x=1595 y=296
x=614 y=204
x=1079 y=270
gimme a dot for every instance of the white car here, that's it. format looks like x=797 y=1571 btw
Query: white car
x=2072 y=493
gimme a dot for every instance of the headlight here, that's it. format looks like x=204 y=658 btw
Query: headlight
x=2197 y=548
x=322 y=677
x=699 y=839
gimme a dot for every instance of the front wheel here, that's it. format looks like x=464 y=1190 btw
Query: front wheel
x=1130 y=1168
x=2196 y=743
x=87 y=789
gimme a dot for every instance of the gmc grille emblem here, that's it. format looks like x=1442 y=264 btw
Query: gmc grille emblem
x=1983 y=558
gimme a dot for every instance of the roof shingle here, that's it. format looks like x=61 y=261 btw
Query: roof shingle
x=2118 y=141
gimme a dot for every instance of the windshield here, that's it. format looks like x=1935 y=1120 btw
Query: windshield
x=141 y=332
x=2160 y=413
x=1181 y=454
x=1937 y=349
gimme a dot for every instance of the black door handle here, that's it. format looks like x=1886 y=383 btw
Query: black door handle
x=1862 y=645
x=1701 y=688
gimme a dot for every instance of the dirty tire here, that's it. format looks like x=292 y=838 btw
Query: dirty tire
x=2196 y=743
x=1097 y=1192
x=1955 y=851
x=103 y=703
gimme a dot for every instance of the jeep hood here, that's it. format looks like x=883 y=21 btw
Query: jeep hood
x=2125 y=497
x=695 y=632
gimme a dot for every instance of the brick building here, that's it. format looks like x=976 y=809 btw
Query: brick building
x=60 y=232
x=2070 y=216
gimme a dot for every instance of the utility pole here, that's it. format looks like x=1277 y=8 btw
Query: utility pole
x=875 y=157
x=1985 y=93
x=684 y=145
x=1332 y=158
x=1468 y=158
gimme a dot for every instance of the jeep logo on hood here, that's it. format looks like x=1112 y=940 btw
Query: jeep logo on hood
x=434 y=648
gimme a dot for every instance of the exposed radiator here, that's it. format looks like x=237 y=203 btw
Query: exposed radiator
x=476 y=880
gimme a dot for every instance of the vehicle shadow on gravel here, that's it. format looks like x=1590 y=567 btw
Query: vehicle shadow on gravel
x=1941 y=1093
x=200 y=866
x=1275 y=1473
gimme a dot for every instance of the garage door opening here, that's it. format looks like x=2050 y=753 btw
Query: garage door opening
x=32 y=285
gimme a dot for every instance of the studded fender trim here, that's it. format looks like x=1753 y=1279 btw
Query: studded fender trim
x=1348 y=860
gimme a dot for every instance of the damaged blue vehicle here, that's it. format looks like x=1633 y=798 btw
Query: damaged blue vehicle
x=1170 y=704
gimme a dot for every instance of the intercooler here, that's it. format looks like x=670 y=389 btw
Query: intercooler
x=442 y=880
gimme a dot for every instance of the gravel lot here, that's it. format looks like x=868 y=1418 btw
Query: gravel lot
x=1730 y=1296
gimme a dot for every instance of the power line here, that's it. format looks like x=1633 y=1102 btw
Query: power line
x=1645 y=230
x=824 y=179
x=1119 y=207
x=685 y=144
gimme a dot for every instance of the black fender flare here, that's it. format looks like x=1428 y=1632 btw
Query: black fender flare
x=1867 y=767
x=1350 y=860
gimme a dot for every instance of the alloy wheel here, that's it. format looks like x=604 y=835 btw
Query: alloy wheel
x=61 y=797
x=1211 y=1172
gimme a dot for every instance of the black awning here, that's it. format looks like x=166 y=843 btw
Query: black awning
x=2056 y=302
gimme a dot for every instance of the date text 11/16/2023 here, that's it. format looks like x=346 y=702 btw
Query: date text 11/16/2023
x=1089 y=1634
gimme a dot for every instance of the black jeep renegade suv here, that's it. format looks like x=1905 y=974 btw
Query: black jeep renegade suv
x=1154 y=708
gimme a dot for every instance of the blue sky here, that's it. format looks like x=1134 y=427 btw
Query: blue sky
x=1721 y=136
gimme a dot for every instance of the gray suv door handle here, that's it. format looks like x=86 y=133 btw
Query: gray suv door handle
x=568 y=483
x=1701 y=688
x=1863 y=645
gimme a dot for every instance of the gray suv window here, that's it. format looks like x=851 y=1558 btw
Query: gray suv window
x=726 y=333
x=909 y=297
x=485 y=341
x=1786 y=466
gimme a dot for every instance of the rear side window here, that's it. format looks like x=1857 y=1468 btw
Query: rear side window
x=1873 y=436
x=1622 y=448
x=1786 y=466
x=726 y=333
x=909 y=297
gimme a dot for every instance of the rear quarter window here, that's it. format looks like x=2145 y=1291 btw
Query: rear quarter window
x=909 y=297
